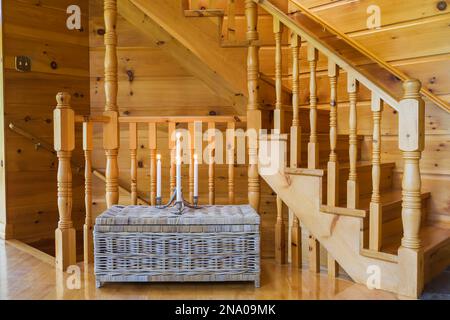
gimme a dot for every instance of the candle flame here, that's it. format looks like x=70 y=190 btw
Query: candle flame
x=195 y=156
x=158 y=157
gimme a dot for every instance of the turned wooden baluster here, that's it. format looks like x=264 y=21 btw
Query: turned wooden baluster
x=64 y=142
x=280 y=241
x=211 y=164
x=172 y=149
x=253 y=112
x=278 y=114
x=314 y=254
x=411 y=143
x=111 y=129
x=88 y=223
x=295 y=128
x=375 y=219
x=231 y=139
x=295 y=148
x=133 y=161
x=333 y=164
x=296 y=242
x=152 y=145
x=278 y=117
x=352 y=183
x=231 y=28
x=313 y=145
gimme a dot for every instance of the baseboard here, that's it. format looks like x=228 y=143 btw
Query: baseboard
x=22 y=246
x=5 y=231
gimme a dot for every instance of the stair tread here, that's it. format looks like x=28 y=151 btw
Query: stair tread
x=388 y=197
x=431 y=236
x=323 y=167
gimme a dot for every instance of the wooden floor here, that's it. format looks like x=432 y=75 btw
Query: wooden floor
x=26 y=273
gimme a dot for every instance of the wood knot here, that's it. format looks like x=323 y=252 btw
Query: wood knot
x=130 y=74
x=441 y=5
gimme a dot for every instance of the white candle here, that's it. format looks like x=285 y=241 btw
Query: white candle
x=158 y=176
x=178 y=159
x=195 y=176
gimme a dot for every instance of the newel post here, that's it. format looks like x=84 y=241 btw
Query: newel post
x=411 y=143
x=64 y=143
x=111 y=129
x=253 y=112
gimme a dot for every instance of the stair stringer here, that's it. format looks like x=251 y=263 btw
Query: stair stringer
x=340 y=235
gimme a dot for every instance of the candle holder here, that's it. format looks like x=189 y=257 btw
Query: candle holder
x=178 y=205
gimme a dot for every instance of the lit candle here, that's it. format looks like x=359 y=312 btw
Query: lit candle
x=195 y=176
x=178 y=159
x=158 y=176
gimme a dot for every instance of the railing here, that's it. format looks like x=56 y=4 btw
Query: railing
x=65 y=121
x=64 y=144
x=411 y=125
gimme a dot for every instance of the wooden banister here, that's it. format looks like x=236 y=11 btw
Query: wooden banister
x=182 y=119
x=329 y=52
x=359 y=47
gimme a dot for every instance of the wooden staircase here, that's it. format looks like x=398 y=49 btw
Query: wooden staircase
x=349 y=206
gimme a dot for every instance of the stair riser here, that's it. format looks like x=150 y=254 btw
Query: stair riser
x=323 y=120
x=364 y=174
x=324 y=150
x=392 y=229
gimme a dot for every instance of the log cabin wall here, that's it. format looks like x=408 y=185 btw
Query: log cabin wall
x=412 y=37
x=59 y=62
x=154 y=84
x=3 y=231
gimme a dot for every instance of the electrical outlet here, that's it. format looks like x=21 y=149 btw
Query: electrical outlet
x=23 y=64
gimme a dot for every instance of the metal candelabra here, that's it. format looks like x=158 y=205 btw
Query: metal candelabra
x=178 y=205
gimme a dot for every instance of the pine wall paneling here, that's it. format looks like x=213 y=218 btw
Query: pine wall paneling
x=60 y=62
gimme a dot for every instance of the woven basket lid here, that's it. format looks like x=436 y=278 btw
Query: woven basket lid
x=206 y=215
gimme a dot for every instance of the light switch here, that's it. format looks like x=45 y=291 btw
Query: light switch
x=23 y=64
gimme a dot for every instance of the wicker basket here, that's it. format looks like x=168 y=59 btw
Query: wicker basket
x=145 y=244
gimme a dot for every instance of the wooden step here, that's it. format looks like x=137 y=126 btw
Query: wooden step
x=392 y=228
x=432 y=238
x=436 y=247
